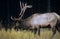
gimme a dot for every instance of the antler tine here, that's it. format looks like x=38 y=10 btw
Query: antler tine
x=22 y=5
x=12 y=18
x=29 y=6
x=25 y=4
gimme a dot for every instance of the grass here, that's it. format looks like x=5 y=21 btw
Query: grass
x=44 y=34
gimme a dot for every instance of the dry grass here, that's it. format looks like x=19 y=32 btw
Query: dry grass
x=44 y=34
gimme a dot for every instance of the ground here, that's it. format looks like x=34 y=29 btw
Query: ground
x=44 y=34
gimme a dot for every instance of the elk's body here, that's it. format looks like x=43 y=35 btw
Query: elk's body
x=42 y=20
x=36 y=21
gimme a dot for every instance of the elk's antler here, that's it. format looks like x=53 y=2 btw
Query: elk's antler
x=23 y=8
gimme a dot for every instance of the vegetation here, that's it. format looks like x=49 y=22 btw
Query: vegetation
x=44 y=34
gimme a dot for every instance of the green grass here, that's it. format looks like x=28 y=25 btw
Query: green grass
x=44 y=34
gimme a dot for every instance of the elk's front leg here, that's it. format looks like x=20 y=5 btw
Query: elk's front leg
x=38 y=31
x=35 y=30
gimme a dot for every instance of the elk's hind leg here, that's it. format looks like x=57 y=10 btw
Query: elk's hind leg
x=53 y=24
x=58 y=28
x=54 y=32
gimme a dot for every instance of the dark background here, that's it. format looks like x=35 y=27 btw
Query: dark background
x=10 y=8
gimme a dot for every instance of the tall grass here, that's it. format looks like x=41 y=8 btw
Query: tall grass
x=44 y=34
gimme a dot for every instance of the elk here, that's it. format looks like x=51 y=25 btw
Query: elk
x=36 y=21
